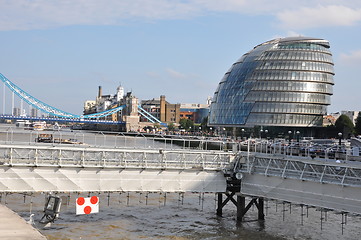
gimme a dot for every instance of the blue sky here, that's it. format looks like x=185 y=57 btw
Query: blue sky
x=61 y=51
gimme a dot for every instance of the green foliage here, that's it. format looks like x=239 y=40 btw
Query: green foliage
x=344 y=125
x=358 y=124
x=171 y=127
x=186 y=124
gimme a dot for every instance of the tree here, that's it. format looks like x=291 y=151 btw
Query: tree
x=186 y=123
x=358 y=124
x=344 y=125
x=171 y=127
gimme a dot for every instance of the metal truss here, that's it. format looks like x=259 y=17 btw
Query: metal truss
x=344 y=174
x=112 y=158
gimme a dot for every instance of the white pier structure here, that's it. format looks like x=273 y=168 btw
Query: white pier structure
x=296 y=179
x=301 y=180
x=47 y=168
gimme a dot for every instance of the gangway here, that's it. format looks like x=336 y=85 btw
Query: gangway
x=44 y=168
x=299 y=180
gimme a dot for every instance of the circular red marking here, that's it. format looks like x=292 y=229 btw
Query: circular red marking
x=94 y=199
x=80 y=201
x=87 y=210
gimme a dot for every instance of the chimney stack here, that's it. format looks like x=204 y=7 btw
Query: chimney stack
x=100 y=92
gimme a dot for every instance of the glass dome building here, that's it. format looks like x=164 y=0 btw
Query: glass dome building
x=282 y=82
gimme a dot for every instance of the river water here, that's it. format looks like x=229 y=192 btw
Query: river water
x=171 y=216
x=179 y=217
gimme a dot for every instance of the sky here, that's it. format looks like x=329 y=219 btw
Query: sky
x=60 y=51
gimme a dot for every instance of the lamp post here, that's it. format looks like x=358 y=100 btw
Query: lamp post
x=289 y=136
x=298 y=136
x=260 y=133
x=242 y=133
x=339 y=138
x=210 y=129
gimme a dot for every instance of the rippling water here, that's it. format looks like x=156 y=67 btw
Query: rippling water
x=174 y=217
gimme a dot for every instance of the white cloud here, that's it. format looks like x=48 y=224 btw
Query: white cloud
x=40 y=14
x=320 y=16
x=174 y=74
x=353 y=58
x=295 y=14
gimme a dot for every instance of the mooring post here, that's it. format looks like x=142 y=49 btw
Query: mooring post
x=260 y=209
x=241 y=205
x=219 y=204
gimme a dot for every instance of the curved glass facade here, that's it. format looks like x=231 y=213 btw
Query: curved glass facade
x=282 y=82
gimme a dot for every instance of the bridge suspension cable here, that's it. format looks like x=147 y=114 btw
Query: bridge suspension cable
x=47 y=108
x=149 y=116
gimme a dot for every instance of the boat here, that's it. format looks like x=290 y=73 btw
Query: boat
x=26 y=124
x=39 y=126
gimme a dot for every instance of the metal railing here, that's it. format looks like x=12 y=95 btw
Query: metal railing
x=14 y=135
x=340 y=173
x=62 y=156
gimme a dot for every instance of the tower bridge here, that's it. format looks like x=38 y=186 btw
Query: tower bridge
x=128 y=107
x=58 y=119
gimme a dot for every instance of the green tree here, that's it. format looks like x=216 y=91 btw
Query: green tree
x=344 y=125
x=186 y=124
x=171 y=127
x=358 y=124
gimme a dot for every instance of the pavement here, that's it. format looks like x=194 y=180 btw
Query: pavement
x=13 y=227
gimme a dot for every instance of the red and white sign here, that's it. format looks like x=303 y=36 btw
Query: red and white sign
x=87 y=205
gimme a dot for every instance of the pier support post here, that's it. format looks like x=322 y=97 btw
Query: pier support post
x=240 y=204
x=260 y=209
x=234 y=189
x=219 y=204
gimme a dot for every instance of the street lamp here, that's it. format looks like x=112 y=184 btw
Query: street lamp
x=242 y=133
x=289 y=136
x=260 y=133
x=339 y=138
x=298 y=136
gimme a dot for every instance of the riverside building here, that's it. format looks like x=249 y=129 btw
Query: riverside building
x=282 y=82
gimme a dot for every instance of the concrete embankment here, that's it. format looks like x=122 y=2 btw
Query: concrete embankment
x=13 y=227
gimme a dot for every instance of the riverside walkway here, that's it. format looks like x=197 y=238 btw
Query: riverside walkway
x=13 y=227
